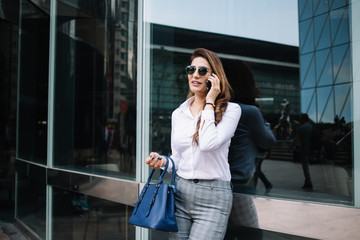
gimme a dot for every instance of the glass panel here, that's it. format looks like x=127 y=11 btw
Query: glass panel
x=305 y=28
x=342 y=93
x=31 y=196
x=339 y=3
x=342 y=34
x=95 y=87
x=312 y=111
x=323 y=95
x=335 y=20
x=9 y=32
x=309 y=39
x=306 y=60
x=341 y=64
x=33 y=83
x=78 y=216
x=306 y=97
x=319 y=25
x=328 y=114
x=287 y=89
x=306 y=10
x=309 y=79
x=324 y=39
x=323 y=7
x=323 y=67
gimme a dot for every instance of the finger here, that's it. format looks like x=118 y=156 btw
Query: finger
x=151 y=157
x=216 y=79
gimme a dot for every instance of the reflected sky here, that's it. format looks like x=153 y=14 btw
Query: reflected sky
x=273 y=21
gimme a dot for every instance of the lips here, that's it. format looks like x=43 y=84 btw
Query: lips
x=195 y=82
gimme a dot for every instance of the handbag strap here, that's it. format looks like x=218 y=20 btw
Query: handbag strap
x=161 y=178
x=173 y=170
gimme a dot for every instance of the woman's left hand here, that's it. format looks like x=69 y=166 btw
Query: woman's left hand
x=215 y=88
x=155 y=160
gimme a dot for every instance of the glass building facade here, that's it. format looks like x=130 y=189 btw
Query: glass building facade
x=88 y=88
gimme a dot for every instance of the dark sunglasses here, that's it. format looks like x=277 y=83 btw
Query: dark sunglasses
x=191 y=69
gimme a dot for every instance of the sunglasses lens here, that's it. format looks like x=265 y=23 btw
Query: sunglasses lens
x=202 y=71
x=190 y=70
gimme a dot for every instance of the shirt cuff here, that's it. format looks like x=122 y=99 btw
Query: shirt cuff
x=169 y=167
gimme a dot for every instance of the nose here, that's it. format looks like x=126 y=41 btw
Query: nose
x=196 y=73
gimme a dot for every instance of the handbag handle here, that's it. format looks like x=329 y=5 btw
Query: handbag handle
x=160 y=181
x=173 y=173
x=161 y=178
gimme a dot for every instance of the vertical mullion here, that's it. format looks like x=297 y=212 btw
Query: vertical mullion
x=355 y=43
x=50 y=120
x=143 y=105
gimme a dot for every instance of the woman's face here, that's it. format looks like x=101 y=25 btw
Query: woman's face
x=197 y=83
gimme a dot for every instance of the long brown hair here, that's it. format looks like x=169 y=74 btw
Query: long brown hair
x=224 y=96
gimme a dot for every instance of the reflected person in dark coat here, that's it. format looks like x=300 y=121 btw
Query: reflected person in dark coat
x=303 y=137
x=252 y=134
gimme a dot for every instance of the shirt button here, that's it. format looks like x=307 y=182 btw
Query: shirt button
x=196 y=180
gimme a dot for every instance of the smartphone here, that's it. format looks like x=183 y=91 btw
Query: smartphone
x=208 y=85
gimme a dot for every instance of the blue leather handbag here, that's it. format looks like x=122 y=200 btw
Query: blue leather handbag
x=155 y=207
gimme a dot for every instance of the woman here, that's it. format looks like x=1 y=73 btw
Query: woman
x=201 y=131
x=252 y=135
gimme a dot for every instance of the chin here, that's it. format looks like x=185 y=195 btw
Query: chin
x=198 y=92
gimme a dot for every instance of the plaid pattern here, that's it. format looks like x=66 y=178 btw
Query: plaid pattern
x=243 y=212
x=202 y=209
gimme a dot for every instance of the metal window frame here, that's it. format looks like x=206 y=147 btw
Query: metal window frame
x=355 y=70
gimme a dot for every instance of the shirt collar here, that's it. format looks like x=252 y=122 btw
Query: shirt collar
x=186 y=105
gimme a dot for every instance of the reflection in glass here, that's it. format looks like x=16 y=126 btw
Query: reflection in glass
x=323 y=67
x=328 y=113
x=308 y=80
x=342 y=33
x=335 y=22
x=293 y=90
x=341 y=64
x=338 y=3
x=322 y=32
x=305 y=9
x=342 y=97
x=320 y=7
x=78 y=216
x=9 y=31
x=95 y=87
x=33 y=83
x=306 y=97
x=306 y=36
x=306 y=61
x=323 y=99
x=31 y=196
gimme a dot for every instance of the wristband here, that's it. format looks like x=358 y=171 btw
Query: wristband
x=213 y=105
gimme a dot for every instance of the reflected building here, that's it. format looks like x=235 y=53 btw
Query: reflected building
x=325 y=78
x=324 y=51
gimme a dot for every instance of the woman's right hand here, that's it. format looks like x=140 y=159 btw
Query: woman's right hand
x=155 y=160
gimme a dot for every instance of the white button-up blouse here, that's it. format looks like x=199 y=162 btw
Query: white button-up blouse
x=209 y=159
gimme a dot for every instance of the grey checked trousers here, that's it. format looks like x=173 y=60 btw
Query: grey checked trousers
x=202 y=209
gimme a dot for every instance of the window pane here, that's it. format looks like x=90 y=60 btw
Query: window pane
x=33 y=83
x=9 y=30
x=95 y=88
x=78 y=216
x=31 y=196
x=291 y=79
